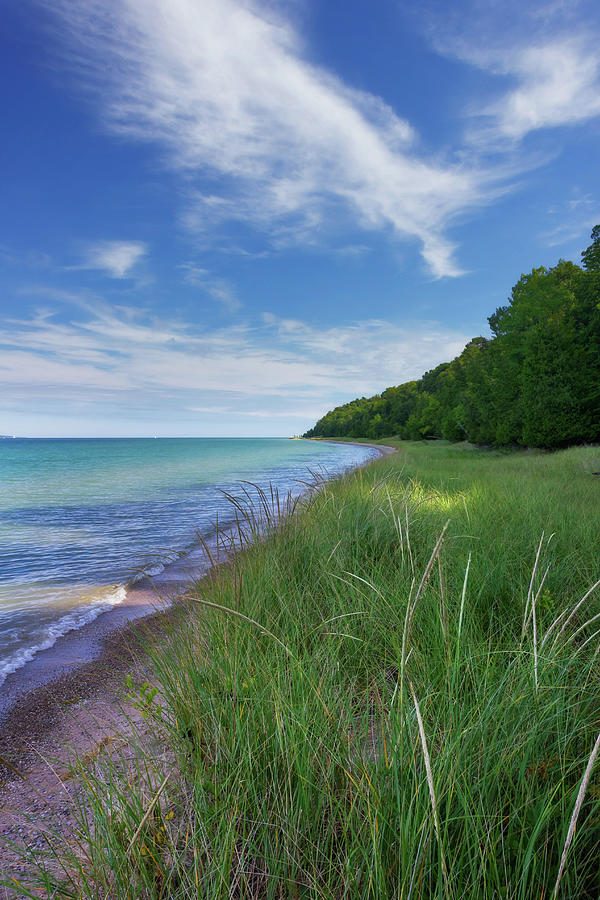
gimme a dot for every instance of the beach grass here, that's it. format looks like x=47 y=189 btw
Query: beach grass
x=392 y=693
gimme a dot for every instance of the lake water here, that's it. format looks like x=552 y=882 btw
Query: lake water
x=80 y=519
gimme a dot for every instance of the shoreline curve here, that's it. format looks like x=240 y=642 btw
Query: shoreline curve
x=33 y=695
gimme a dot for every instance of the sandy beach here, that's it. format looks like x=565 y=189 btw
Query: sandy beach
x=70 y=701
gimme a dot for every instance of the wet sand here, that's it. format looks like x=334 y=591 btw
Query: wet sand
x=74 y=706
x=75 y=650
x=80 y=646
x=70 y=700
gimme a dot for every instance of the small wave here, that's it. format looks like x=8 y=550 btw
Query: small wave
x=59 y=628
x=148 y=572
x=156 y=569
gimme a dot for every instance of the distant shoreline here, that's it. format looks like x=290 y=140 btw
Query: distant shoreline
x=385 y=449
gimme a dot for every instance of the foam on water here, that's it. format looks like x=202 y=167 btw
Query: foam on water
x=82 y=519
x=49 y=635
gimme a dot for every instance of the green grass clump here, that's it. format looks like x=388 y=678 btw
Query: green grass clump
x=392 y=695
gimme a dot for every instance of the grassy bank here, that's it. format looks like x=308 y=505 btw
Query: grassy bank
x=396 y=698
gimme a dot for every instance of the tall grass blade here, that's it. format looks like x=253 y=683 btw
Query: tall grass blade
x=461 y=615
x=576 y=811
x=148 y=813
x=432 y=797
x=576 y=608
x=526 y=614
x=235 y=612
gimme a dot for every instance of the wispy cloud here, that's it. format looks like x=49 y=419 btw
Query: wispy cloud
x=120 y=356
x=217 y=288
x=30 y=259
x=558 y=83
x=555 y=83
x=369 y=354
x=115 y=258
x=305 y=414
x=571 y=221
x=225 y=90
x=544 y=54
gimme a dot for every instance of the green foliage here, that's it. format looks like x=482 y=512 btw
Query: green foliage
x=141 y=696
x=591 y=257
x=536 y=382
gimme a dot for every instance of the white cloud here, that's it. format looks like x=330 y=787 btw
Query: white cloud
x=125 y=359
x=370 y=354
x=217 y=288
x=544 y=54
x=557 y=83
x=307 y=415
x=32 y=259
x=223 y=87
x=571 y=222
x=116 y=258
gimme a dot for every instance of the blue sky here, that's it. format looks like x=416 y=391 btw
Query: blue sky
x=225 y=217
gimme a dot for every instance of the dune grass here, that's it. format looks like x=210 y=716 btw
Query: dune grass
x=393 y=695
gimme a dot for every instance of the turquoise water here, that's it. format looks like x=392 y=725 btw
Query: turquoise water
x=80 y=519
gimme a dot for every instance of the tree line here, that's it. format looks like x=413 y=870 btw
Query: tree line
x=534 y=382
